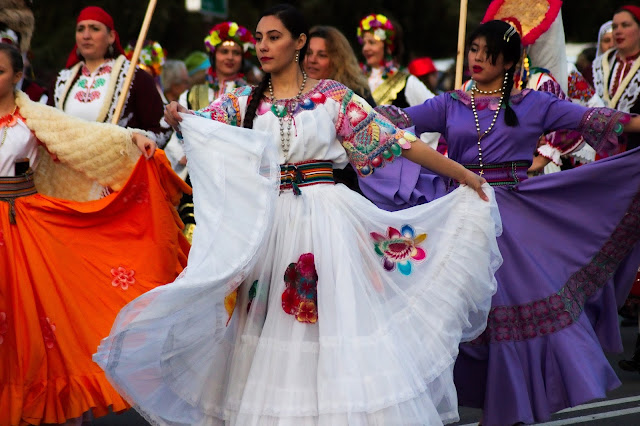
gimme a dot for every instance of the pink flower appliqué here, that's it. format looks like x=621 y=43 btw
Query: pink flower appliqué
x=4 y=326
x=399 y=248
x=139 y=193
x=300 y=297
x=122 y=277
x=48 y=329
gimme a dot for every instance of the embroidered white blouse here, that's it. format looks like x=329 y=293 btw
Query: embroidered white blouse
x=88 y=94
x=19 y=143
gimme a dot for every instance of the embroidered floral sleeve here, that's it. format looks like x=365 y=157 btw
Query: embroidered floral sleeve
x=395 y=115
x=226 y=108
x=552 y=86
x=369 y=138
x=579 y=88
x=601 y=127
x=559 y=143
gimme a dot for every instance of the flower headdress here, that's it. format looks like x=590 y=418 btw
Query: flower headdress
x=9 y=36
x=152 y=56
x=380 y=26
x=230 y=31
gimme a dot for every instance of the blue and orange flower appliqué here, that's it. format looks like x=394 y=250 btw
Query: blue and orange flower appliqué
x=400 y=248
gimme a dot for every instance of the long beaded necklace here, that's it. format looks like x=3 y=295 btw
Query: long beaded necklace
x=474 y=89
x=282 y=112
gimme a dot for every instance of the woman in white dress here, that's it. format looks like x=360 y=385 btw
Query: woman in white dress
x=302 y=303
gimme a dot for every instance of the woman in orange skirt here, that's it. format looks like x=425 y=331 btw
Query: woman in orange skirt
x=68 y=265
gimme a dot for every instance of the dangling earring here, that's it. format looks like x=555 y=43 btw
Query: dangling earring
x=297 y=56
x=504 y=84
x=110 y=50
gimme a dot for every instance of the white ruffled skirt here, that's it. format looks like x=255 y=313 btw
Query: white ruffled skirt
x=317 y=309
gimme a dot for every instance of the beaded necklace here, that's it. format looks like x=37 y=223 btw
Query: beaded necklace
x=282 y=112
x=218 y=85
x=474 y=89
x=388 y=69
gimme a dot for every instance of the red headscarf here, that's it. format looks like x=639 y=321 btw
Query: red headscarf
x=94 y=13
x=634 y=10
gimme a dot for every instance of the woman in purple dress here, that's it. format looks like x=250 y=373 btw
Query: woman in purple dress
x=569 y=239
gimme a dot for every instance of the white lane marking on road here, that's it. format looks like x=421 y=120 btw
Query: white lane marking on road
x=599 y=404
x=592 y=417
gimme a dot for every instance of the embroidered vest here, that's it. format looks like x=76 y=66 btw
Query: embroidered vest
x=67 y=77
x=198 y=97
x=627 y=92
x=388 y=91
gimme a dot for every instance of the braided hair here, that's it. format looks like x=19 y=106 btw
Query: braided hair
x=294 y=22
x=510 y=49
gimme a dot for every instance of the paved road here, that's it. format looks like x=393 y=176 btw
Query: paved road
x=621 y=408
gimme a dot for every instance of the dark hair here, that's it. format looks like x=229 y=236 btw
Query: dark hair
x=294 y=22
x=15 y=57
x=633 y=15
x=511 y=50
x=589 y=53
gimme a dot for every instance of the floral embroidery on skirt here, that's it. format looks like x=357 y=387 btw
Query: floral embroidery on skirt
x=300 y=297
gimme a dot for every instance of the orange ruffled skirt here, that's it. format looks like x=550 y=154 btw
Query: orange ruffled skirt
x=66 y=270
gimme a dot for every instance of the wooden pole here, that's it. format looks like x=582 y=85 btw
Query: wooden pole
x=462 y=27
x=134 y=61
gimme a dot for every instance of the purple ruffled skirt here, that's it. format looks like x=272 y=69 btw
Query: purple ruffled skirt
x=571 y=252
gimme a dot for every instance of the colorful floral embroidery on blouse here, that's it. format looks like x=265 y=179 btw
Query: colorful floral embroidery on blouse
x=122 y=277
x=601 y=127
x=399 y=248
x=579 y=88
x=48 y=332
x=226 y=109
x=369 y=138
x=4 y=326
x=395 y=115
x=300 y=297
x=564 y=141
x=88 y=94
